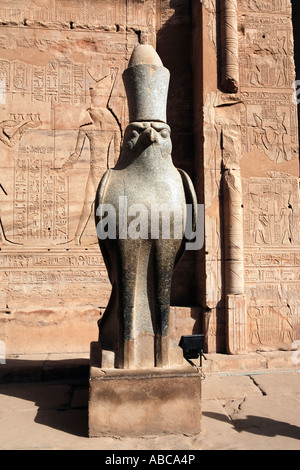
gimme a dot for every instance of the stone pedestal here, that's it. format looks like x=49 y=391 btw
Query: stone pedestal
x=143 y=402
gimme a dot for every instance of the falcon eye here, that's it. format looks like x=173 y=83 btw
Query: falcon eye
x=134 y=134
x=165 y=133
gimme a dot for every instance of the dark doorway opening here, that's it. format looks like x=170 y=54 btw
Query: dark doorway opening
x=296 y=28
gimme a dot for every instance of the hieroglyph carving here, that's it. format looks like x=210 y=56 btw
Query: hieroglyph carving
x=272 y=262
x=60 y=80
x=48 y=279
x=57 y=139
x=269 y=120
x=40 y=198
x=265 y=54
x=271 y=211
x=40 y=201
x=115 y=15
x=262 y=6
x=269 y=123
x=104 y=136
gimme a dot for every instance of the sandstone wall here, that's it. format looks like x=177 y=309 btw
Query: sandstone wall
x=53 y=57
x=248 y=161
x=234 y=130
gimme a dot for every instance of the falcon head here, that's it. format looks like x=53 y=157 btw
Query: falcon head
x=139 y=136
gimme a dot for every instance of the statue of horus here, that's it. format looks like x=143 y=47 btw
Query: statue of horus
x=135 y=324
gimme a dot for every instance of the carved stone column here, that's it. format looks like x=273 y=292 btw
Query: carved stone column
x=233 y=233
x=234 y=262
x=229 y=46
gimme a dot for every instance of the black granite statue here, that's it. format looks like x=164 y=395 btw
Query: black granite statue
x=141 y=212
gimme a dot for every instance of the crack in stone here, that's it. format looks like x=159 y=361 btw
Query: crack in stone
x=258 y=386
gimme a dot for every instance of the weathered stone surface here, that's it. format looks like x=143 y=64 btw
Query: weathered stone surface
x=270 y=185
x=62 y=115
x=141 y=254
x=235 y=416
x=143 y=402
x=248 y=148
x=51 y=54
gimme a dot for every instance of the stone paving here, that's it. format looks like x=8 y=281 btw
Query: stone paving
x=241 y=410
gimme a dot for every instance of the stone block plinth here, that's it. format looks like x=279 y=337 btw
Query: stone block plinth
x=143 y=402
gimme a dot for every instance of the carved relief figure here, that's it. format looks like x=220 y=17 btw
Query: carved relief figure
x=270 y=136
x=270 y=210
x=254 y=314
x=286 y=327
x=260 y=221
x=286 y=220
x=10 y=134
x=280 y=131
x=104 y=136
x=264 y=58
x=270 y=125
x=267 y=73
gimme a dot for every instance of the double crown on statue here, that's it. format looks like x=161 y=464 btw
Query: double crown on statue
x=146 y=82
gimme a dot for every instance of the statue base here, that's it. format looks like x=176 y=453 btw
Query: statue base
x=135 y=403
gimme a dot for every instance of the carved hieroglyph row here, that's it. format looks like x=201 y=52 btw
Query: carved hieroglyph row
x=266 y=6
x=43 y=110
x=51 y=279
x=60 y=80
x=272 y=245
x=85 y=13
x=60 y=128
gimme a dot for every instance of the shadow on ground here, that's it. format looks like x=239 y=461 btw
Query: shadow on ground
x=259 y=425
x=58 y=392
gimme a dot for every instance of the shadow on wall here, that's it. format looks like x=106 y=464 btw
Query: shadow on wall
x=174 y=46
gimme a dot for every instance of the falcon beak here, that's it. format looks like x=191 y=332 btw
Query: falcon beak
x=150 y=135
